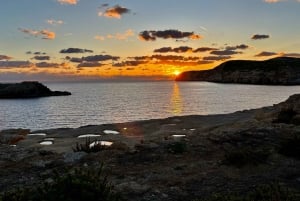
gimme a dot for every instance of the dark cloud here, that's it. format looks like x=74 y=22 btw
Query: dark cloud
x=216 y=58
x=167 y=57
x=260 y=36
x=266 y=54
x=39 y=53
x=89 y=64
x=167 y=34
x=75 y=50
x=241 y=47
x=224 y=52
x=114 y=12
x=163 y=50
x=5 y=57
x=204 y=49
x=47 y=65
x=74 y=59
x=41 y=58
x=181 y=49
x=15 y=64
x=140 y=58
x=100 y=58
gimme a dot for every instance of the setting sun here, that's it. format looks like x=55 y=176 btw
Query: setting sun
x=176 y=72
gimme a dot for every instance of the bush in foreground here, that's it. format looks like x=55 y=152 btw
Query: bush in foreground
x=77 y=185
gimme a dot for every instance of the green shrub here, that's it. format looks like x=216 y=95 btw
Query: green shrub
x=240 y=157
x=87 y=148
x=76 y=185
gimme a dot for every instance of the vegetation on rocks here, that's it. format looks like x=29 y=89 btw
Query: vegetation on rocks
x=76 y=185
x=86 y=147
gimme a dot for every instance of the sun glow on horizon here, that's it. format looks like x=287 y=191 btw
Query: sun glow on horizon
x=176 y=72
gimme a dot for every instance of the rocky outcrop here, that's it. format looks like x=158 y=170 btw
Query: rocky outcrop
x=172 y=159
x=277 y=71
x=27 y=90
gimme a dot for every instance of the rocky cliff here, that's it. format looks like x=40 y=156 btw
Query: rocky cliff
x=27 y=90
x=277 y=71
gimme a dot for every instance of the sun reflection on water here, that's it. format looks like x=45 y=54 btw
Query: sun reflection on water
x=176 y=100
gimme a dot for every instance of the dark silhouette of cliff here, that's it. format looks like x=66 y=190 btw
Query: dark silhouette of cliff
x=276 y=71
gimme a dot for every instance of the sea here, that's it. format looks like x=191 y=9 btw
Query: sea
x=95 y=103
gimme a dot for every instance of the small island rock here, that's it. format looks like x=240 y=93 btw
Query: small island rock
x=27 y=90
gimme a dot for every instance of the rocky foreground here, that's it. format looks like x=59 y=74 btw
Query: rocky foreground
x=173 y=159
x=27 y=90
x=277 y=71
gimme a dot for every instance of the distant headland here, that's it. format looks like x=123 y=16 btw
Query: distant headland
x=276 y=71
x=27 y=90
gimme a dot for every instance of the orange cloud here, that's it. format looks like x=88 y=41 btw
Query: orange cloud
x=70 y=2
x=45 y=34
x=114 y=12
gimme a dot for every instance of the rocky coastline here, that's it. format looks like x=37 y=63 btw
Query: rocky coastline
x=27 y=90
x=276 y=71
x=173 y=159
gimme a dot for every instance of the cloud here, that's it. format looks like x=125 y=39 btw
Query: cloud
x=224 y=52
x=217 y=58
x=15 y=64
x=69 y=2
x=204 y=49
x=55 y=22
x=119 y=36
x=167 y=34
x=91 y=61
x=45 y=34
x=297 y=55
x=47 y=65
x=99 y=58
x=89 y=64
x=74 y=59
x=114 y=12
x=5 y=57
x=181 y=49
x=72 y=50
x=260 y=36
x=266 y=54
x=36 y=53
x=41 y=57
x=241 y=47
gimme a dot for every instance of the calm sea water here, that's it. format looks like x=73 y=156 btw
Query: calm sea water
x=99 y=103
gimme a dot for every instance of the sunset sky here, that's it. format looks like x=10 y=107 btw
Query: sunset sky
x=91 y=39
